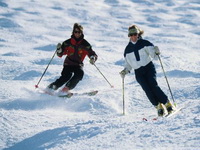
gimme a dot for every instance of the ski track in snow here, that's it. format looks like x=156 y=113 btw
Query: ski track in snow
x=29 y=33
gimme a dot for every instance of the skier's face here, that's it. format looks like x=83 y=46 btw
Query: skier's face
x=134 y=37
x=77 y=33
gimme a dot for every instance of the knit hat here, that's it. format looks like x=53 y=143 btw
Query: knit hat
x=78 y=26
x=134 y=29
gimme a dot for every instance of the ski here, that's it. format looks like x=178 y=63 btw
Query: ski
x=52 y=93
x=165 y=116
x=174 y=112
x=152 y=119
x=91 y=93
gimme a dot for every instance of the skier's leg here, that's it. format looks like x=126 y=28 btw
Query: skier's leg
x=142 y=81
x=152 y=82
x=78 y=75
x=65 y=76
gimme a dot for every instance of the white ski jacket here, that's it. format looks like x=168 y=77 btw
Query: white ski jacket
x=139 y=54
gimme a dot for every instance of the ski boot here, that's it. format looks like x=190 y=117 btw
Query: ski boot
x=50 y=89
x=160 y=110
x=65 y=92
x=170 y=107
x=52 y=86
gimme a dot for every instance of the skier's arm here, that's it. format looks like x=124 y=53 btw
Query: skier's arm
x=126 y=70
x=62 y=48
x=92 y=55
x=127 y=66
x=153 y=51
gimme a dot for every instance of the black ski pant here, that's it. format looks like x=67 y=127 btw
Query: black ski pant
x=70 y=76
x=146 y=77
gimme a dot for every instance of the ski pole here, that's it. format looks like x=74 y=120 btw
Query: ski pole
x=166 y=79
x=103 y=76
x=36 y=86
x=123 y=96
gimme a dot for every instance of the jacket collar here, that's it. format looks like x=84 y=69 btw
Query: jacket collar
x=75 y=41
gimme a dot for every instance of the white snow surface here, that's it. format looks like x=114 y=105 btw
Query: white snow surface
x=29 y=33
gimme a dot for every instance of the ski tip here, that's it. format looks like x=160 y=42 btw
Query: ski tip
x=96 y=91
x=112 y=86
x=144 y=119
x=36 y=86
x=155 y=118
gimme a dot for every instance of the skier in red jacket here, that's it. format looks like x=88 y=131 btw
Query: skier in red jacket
x=76 y=48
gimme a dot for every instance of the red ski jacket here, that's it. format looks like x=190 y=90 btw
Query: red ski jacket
x=76 y=51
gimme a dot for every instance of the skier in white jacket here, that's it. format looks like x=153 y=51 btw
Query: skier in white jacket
x=138 y=55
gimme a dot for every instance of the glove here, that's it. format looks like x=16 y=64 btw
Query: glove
x=92 y=60
x=59 y=49
x=157 y=51
x=124 y=72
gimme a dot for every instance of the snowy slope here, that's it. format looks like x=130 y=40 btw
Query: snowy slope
x=29 y=32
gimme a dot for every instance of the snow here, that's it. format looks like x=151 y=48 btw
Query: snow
x=29 y=33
